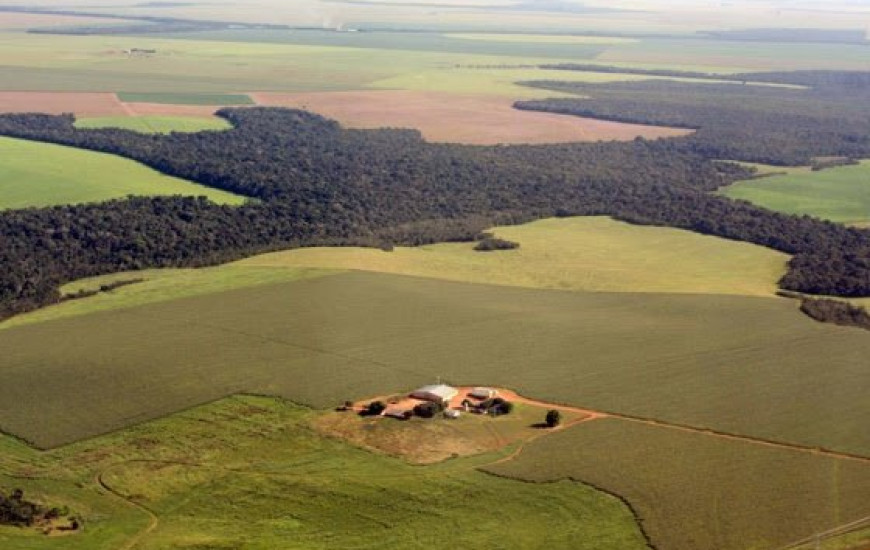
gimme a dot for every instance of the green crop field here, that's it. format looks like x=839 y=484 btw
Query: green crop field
x=735 y=56
x=839 y=194
x=737 y=364
x=40 y=174
x=585 y=253
x=695 y=491
x=155 y=124
x=248 y=472
x=185 y=99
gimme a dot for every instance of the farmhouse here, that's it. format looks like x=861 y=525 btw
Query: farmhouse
x=483 y=393
x=437 y=393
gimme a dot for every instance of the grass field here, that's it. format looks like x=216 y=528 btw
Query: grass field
x=39 y=174
x=155 y=124
x=587 y=253
x=839 y=194
x=712 y=55
x=696 y=491
x=186 y=99
x=193 y=66
x=248 y=472
x=738 y=364
x=544 y=38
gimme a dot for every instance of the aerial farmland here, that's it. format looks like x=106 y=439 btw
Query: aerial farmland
x=364 y=274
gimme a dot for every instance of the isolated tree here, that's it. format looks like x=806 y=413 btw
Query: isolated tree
x=553 y=419
x=375 y=408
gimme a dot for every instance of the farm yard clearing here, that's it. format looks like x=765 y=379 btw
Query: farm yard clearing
x=446 y=117
x=425 y=441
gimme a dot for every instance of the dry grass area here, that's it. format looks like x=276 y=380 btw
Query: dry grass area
x=472 y=118
x=427 y=441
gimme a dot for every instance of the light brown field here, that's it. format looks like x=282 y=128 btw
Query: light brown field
x=80 y=103
x=93 y=104
x=473 y=119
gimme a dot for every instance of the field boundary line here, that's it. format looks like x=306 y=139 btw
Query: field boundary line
x=844 y=529
x=821 y=451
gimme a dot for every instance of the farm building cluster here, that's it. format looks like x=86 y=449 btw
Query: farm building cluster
x=448 y=401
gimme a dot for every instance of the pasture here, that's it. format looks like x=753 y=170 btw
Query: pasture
x=459 y=118
x=738 y=364
x=840 y=194
x=696 y=491
x=39 y=174
x=581 y=254
x=155 y=124
x=249 y=472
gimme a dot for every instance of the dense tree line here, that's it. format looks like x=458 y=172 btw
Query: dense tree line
x=774 y=125
x=837 y=312
x=313 y=183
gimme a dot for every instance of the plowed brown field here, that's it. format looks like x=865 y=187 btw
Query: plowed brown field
x=80 y=103
x=473 y=119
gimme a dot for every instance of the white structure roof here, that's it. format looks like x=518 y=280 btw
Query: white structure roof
x=439 y=391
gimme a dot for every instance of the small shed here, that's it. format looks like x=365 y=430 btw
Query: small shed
x=452 y=414
x=437 y=393
x=483 y=393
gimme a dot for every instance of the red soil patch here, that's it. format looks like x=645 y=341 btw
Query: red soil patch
x=80 y=103
x=472 y=119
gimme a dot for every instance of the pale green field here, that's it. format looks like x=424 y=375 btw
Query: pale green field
x=839 y=194
x=40 y=174
x=544 y=38
x=753 y=56
x=155 y=124
x=249 y=472
x=161 y=285
x=86 y=63
x=583 y=254
x=504 y=81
